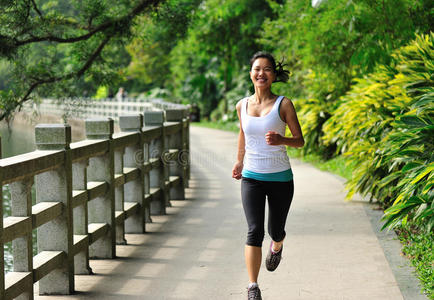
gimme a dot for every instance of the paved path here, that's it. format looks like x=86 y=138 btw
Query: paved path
x=196 y=250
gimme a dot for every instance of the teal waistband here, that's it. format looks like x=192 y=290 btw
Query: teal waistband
x=278 y=176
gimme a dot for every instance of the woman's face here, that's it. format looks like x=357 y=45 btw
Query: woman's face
x=262 y=74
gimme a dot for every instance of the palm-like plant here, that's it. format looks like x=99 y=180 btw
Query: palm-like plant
x=385 y=124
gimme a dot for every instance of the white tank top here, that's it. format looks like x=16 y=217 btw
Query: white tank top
x=261 y=157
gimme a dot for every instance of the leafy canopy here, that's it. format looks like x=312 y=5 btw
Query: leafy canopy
x=57 y=48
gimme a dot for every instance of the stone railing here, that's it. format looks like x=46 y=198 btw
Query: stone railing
x=88 y=195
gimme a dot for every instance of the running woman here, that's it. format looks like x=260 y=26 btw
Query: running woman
x=263 y=164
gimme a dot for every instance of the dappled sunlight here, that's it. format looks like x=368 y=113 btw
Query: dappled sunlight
x=185 y=290
x=165 y=253
x=216 y=243
x=194 y=221
x=136 y=287
x=330 y=249
x=207 y=255
x=179 y=253
x=176 y=242
x=196 y=273
x=209 y=204
x=152 y=270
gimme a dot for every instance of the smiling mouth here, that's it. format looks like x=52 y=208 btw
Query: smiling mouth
x=261 y=79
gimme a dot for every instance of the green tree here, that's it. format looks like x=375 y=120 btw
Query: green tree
x=155 y=35
x=220 y=40
x=330 y=45
x=57 y=47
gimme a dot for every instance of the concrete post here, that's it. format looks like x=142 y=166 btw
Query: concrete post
x=186 y=155
x=175 y=141
x=146 y=175
x=56 y=186
x=157 y=176
x=2 y=254
x=79 y=182
x=21 y=206
x=133 y=158
x=119 y=196
x=146 y=184
x=101 y=168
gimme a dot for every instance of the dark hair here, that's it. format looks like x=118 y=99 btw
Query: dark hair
x=282 y=75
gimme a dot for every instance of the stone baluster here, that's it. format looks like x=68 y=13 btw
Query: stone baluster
x=2 y=253
x=21 y=206
x=79 y=182
x=147 y=182
x=175 y=141
x=186 y=159
x=158 y=175
x=133 y=158
x=119 y=196
x=56 y=186
x=101 y=168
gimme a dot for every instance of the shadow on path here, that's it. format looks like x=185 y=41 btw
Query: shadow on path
x=196 y=250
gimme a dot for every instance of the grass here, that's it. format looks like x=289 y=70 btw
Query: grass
x=228 y=126
x=417 y=246
x=338 y=165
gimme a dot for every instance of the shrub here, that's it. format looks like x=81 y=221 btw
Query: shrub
x=385 y=124
x=313 y=113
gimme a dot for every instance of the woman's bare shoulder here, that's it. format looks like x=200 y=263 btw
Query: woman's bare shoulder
x=240 y=103
x=287 y=104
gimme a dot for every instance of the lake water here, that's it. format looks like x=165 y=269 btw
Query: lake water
x=19 y=140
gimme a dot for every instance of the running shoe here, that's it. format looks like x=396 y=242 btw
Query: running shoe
x=254 y=293
x=273 y=258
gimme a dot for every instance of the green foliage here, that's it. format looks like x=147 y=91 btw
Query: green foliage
x=326 y=47
x=312 y=114
x=219 y=42
x=226 y=110
x=418 y=247
x=155 y=35
x=102 y=92
x=341 y=39
x=339 y=165
x=228 y=126
x=385 y=125
x=63 y=48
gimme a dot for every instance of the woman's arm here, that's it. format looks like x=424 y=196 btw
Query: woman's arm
x=288 y=114
x=238 y=167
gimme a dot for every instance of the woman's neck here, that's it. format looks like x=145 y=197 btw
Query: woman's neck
x=261 y=96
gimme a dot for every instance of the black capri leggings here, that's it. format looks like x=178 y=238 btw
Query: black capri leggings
x=279 y=194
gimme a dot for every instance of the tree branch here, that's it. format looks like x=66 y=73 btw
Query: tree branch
x=113 y=24
x=134 y=12
x=79 y=73
x=35 y=7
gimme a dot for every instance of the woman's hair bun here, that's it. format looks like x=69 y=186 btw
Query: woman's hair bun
x=282 y=75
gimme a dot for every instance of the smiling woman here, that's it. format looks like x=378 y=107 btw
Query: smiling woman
x=263 y=164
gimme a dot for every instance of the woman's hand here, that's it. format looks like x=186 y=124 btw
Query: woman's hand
x=236 y=170
x=273 y=138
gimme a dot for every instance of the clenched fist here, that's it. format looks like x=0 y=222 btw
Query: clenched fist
x=273 y=138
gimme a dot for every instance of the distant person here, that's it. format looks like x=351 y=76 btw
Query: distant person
x=121 y=94
x=263 y=164
x=194 y=113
